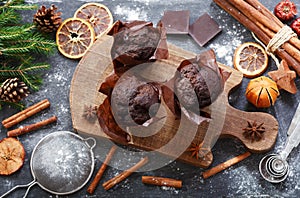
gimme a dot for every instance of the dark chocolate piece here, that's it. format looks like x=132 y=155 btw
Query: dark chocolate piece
x=176 y=22
x=204 y=29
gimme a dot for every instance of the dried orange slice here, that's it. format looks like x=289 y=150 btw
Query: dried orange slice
x=74 y=37
x=98 y=15
x=251 y=59
x=12 y=155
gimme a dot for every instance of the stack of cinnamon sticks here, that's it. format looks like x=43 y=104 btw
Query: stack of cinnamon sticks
x=26 y=113
x=261 y=21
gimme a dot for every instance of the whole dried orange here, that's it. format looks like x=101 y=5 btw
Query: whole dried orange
x=74 y=37
x=12 y=155
x=98 y=15
x=262 y=92
x=251 y=59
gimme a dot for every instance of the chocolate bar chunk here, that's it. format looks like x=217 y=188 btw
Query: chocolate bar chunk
x=204 y=29
x=176 y=22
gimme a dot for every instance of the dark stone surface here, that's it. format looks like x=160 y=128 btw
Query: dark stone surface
x=241 y=180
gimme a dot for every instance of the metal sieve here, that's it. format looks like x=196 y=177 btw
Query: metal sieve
x=61 y=163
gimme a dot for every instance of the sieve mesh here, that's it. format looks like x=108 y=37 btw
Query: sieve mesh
x=62 y=162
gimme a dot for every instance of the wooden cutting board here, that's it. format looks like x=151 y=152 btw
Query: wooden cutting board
x=225 y=121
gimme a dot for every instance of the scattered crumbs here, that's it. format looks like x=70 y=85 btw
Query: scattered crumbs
x=174 y=190
x=92 y=0
x=233 y=37
x=37 y=1
x=90 y=196
x=241 y=183
x=200 y=179
x=125 y=184
x=63 y=109
x=7 y=183
x=147 y=2
x=225 y=50
x=131 y=13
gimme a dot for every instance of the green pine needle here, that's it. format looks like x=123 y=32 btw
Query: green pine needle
x=8 y=17
x=11 y=33
x=23 y=7
x=26 y=73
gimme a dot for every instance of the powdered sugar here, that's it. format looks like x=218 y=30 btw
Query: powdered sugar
x=37 y=1
x=233 y=37
x=170 y=189
x=131 y=13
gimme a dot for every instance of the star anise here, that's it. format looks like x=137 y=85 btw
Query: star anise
x=90 y=112
x=254 y=131
x=198 y=151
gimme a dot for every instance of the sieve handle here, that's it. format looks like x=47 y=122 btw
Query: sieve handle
x=93 y=142
x=20 y=186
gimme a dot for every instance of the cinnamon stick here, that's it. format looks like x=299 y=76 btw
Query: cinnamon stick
x=100 y=172
x=262 y=9
x=32 y=127
x=225 y=165
x=162 y=181
x=225 y=5
x=251 y=12
x=117 y=179
x=26 y=113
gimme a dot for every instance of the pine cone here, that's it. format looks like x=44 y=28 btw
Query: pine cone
x=13 y=90
x=47 y=20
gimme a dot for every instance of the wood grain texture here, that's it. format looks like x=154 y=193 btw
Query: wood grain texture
x=172 y=137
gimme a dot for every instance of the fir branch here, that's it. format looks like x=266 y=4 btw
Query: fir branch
x=8 y=16
x=17 y=5
x=23 y=7
x=11 y=51
x=29 y=42
x=33 y=45
x=26 y=73
x=36 y=67
x=19 y=44
x=42 y=45
x=14 y=32
x=31 y=81
x=15 y=105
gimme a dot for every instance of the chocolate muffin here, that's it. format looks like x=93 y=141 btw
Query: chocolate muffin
x=198 y=81
x=144 y=103
x=136 y=42
x=132 y=100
